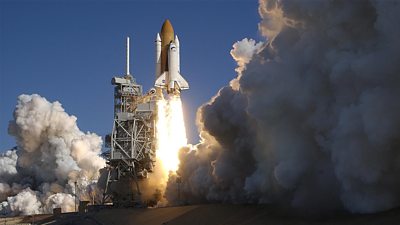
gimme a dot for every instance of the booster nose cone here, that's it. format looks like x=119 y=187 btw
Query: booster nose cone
x=176 y=41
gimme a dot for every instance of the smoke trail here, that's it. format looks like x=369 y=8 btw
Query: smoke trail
x=51 y=155
x=311 y=121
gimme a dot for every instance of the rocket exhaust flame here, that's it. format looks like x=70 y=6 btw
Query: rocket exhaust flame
x=171 y=133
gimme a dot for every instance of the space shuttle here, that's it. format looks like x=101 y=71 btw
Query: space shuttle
x=168 y=74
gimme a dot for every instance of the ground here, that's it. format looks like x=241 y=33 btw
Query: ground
x=213 y=214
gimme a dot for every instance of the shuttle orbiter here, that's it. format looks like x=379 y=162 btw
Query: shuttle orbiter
x=168 y=74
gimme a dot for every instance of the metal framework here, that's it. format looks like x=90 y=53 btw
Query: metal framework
x=131 y=143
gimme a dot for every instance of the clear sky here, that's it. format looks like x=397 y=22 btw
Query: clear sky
x=69 y=51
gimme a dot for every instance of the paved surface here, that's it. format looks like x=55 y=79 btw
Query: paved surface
x=213 y=214
x=21 y=220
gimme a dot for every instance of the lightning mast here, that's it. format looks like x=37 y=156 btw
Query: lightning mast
x=127 y=56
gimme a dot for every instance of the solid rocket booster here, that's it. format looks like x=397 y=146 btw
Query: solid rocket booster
x=158 y=56
x=168 y=61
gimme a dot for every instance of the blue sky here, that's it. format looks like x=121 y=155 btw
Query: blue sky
x=69 y=51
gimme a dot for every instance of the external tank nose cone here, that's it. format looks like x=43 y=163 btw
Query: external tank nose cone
x=167 y=37
x=167 y=27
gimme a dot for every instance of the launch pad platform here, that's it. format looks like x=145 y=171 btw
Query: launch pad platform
x=211 y=214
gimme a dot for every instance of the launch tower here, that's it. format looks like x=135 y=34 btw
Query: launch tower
x=131 y=144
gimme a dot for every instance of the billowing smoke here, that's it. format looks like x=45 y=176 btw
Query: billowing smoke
x=51 y=155
x=312 y=122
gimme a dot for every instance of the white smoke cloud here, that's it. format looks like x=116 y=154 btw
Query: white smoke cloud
x=313 y=121
x=8 y=162
x=52 y=154
x=5 y=191
x=26 y=203
x=242 y=53
x=65 y=201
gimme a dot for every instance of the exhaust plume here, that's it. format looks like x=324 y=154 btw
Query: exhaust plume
x=312 y=120
x=51 y=155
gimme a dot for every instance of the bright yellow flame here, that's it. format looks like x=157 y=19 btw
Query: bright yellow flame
x=171 y=133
